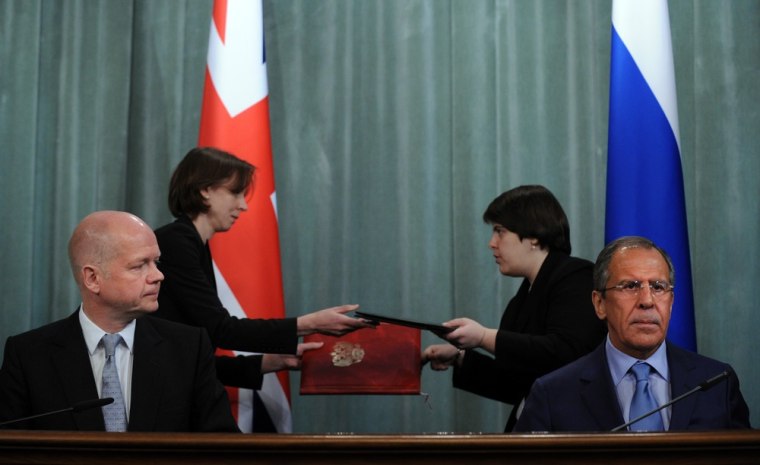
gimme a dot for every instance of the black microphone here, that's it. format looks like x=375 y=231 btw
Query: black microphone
x=705 y=385
x=78 y=407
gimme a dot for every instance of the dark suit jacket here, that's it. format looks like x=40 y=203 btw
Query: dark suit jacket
x=174 y=385
x=188 y=295
x=581 y=396
x=542 y=329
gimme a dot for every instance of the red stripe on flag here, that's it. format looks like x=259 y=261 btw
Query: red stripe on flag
x=220 y=18
x=251 y=248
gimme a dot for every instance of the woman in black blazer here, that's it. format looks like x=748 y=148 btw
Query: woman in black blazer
x=207 y=193
x=548 y=323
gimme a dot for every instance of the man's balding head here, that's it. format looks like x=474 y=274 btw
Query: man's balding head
x=114 y=258
x=94 y=240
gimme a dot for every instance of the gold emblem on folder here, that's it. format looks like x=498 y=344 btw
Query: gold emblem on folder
x=346 y=354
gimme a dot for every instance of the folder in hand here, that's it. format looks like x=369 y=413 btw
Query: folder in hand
x=380 y=360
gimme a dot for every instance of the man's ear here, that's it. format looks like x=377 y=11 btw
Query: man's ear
x=598 y=301
x=91 y=278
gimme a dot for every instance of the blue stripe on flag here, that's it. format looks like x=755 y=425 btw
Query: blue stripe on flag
x=645 y=194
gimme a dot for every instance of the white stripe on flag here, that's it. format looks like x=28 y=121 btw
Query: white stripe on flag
x=237 y=69
x=644 y=28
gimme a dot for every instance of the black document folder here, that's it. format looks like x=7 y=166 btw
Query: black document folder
x=440 y=330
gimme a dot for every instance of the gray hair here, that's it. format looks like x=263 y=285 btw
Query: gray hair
x=602 y=265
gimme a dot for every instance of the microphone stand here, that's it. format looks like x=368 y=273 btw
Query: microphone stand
x=702 y=387
x=78 y=407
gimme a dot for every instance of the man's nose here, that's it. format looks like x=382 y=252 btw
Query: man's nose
x=646 y=297
x=155 y=274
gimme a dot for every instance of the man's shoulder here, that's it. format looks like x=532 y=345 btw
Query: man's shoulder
x=586 y=367
x=44 y=332
x=680 y=355
x=168 y=327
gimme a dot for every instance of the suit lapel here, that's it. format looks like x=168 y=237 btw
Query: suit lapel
x=70 y=359
x=146 y=377
x=598 y=393
x=683 y=377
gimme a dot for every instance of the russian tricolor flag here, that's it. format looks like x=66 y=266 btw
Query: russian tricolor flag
x=235 y=118
x=645 y=194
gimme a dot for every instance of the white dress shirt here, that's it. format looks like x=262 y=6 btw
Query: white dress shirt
x=123 y=355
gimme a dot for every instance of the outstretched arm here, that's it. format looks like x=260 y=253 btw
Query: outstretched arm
x=332 y=321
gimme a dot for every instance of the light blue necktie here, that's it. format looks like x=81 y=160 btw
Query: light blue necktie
x=643 y=401
x=114 y=414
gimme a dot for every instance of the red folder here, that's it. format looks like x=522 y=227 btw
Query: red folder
x=383 y=360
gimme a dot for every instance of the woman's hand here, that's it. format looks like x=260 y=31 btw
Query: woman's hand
x=469 y=334
x=278 y=362
x=441 y=356
x=332 y=321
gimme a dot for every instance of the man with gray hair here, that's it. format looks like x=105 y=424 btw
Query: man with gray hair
x=160 y=374
x=636 y=370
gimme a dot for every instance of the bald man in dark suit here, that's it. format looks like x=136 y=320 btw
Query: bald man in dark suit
x=166 y=370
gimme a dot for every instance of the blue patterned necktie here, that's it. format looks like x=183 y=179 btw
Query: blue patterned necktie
x=114 y=414
x=643 y=401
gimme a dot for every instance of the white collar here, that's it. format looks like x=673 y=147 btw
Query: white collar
x=93 y=333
